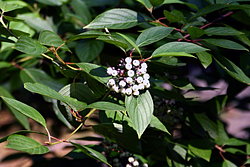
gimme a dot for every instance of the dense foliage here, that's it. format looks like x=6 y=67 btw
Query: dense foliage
x=68 y=50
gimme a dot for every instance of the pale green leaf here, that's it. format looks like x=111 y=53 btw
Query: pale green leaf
x=103 y=105
x=156 y=123
x=7 y=7
x=25 y=110
x=225 y=43
x=205 y=58
x=131 y=42
x=222 y=31
x=227 y=163
x=26 y=144
x=183 y=54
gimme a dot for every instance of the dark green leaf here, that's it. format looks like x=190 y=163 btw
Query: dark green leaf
x=87 y=34
x=88 y=50
x=146 y=3
x=23 y=143
x=52 y=2
x=156 y=2
x=131 y=42
x=225 y=43
x=80 y=8
x=95 y=71
x=179 y=47
x=152 y=35
x=173 y=54
x=232 y=69
x=103 y=105
x=201 y=152
x=29 y=46
x=140 y=110
x=50 y=38
x=26 y=110
x=91 y=153
x=222 y=31
x=205 y=58
x=115 y=19
x=195 y=32
x=46 y=91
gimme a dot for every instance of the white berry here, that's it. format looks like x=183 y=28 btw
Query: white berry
x=135 y=88
x=114 y=73
x=144 y=65
x=128 y=165
x=122 y=83
x=129 y=80
x=128 y=91
x=131 y=159
x=109 y=70
x=115 y=88
x=123 y=91
x=136 y=62
x=139 y=80
x=135 y=163
x=128 y=60
x=131 y=73
x=136 y=93
x=128 y=66
x=146 y=76
x=111 y=82
x=141 y=86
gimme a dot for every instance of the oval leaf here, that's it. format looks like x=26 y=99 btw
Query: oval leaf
x=225 y=43
x=25 y=110
x=131 y=42
x=26 y=144
x=174 y=54
x=115 y=19
x=152 y=35
x=140 y=110
x=29 y=46
x=46 y=91
x=179 y=47
x=222 y=31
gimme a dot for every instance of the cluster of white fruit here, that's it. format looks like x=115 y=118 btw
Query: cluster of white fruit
x=129 y=78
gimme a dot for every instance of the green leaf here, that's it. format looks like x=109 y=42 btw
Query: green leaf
x=248 y=149
x=140 y=110
x=248 y=161
x=115 y=19
x=152 y=35
x=235 y=151
x=147 y=4
x=29 y=46
x=195 y=32
x=97 y=72
x=81 y=9
x=39 y=76
x=91 y=153
x=222 y=31
x=88 y=50
x=179 y=47
x=103 y=105
x=130 y=42
x=19 y=116
x=25 y=144
x=50 y=38
x=225 y=43
x=7 y=7
x=4 y=64
x=227 y=163
x=201 y=152
x=232 y=69
x=52 y=2
x=46 y=91
x=156 y=123
x=173 y=54
x=174 y=16
x=21 y=132
x=205 y=58
x=87 y=34
x=25 y=110
x=156 y=2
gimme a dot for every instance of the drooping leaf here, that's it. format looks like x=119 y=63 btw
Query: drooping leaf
x=227 y=163
x=152 y=35
x=50 y=38
x=156 y=123
x=179 y=47
x=46 y=91
x=88 y=50
x=91 y=153
x=26 y=144
x=225 y=43
x=19 y=116
x=81 y=9
x=29 y=46
x=205 y=58
x=103 y=105
x=115 y=19
x=39 y=76
x=25 y=110
x=146 y=3
x=131 y=42
x=222 y=31
x=232 y=69
x=87 y=34
x=140 y=110
x=204 y=153
x=7 y=7
x=97 y=72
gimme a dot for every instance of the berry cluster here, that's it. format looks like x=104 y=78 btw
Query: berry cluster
x=129 y=78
